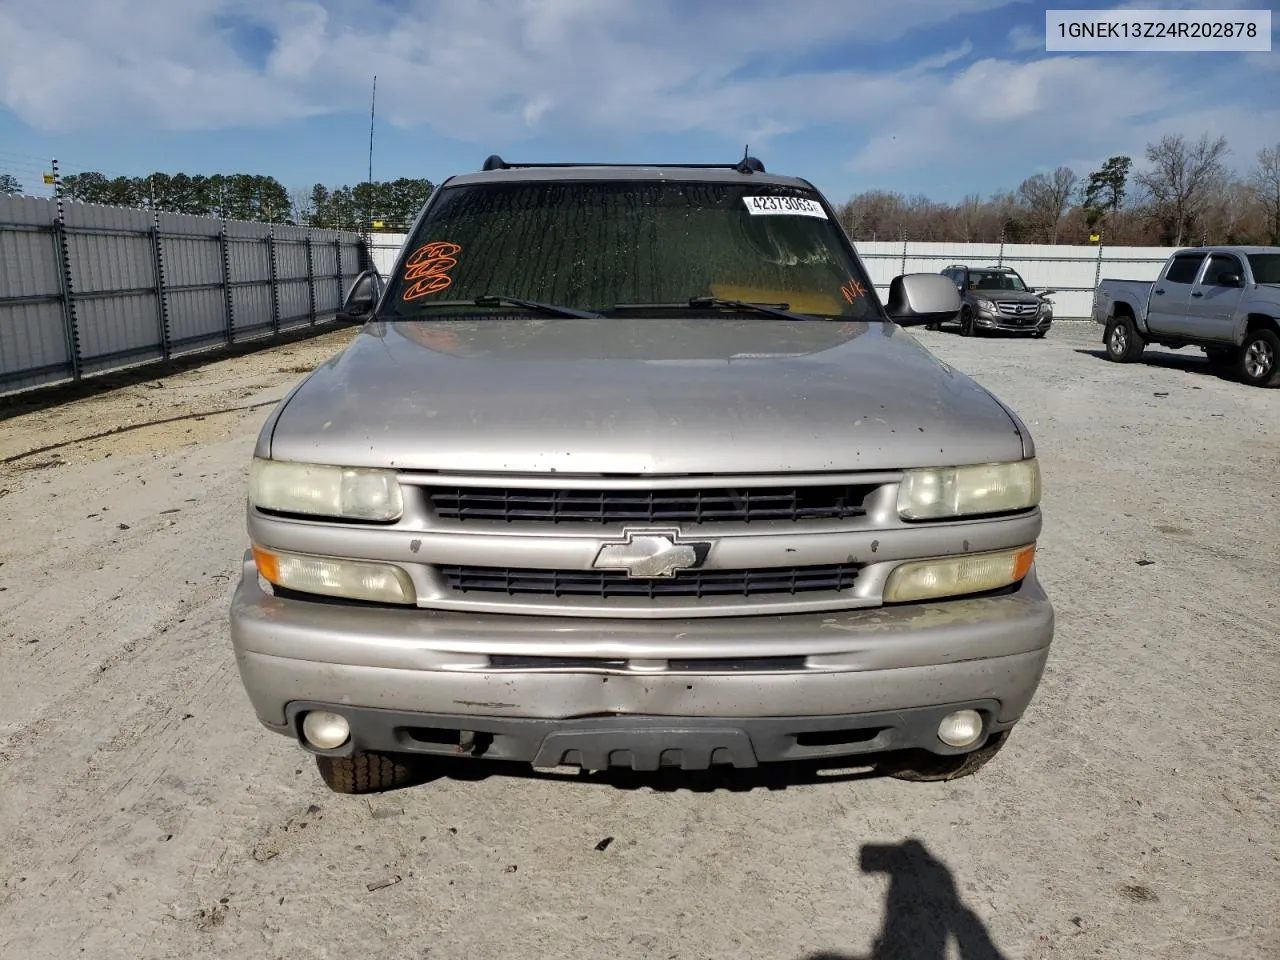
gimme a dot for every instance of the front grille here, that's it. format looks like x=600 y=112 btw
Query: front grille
x=692 y=506
x=1013 y=308
x=602 y=584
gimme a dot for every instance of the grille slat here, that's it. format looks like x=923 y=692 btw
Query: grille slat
x=602 y=584
x=693 y=506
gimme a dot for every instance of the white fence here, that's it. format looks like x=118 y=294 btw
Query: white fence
x=1073 y=271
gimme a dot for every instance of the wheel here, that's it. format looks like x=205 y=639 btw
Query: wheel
x=369 y=772
x=920 y=766
x=966 y=322
x=1259 y=362
x=1124 y=342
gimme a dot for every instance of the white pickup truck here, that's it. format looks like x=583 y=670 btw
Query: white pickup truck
x=1224 y=300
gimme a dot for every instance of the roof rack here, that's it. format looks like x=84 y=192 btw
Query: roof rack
x=746 y=165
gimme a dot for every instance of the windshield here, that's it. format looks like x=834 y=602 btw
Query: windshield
x=1265 y=267
x=591 y=245
x=992 y=280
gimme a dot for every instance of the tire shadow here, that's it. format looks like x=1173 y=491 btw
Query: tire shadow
x=1184 y=362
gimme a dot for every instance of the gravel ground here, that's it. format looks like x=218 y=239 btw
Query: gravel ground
x=1133 y=814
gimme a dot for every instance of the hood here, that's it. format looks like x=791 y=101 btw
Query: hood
x=639 y=396
x=1014 y=296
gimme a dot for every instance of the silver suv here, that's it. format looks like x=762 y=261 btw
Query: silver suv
x=630 y=466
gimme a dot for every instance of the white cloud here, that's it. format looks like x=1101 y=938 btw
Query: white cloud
x=1022 y=39
x=470 y=68
x=1053 y=108
x=485 y=70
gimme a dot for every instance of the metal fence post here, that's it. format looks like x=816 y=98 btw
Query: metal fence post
x=162 y=298
x=62 y=249
x=1097 y=275
x=342 y=292
x=275 y=283
x=904 y=253
x=225 y=246
x=1000 y=260
x=311 y=278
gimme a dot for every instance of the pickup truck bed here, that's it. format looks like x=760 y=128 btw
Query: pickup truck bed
x=1224 y=300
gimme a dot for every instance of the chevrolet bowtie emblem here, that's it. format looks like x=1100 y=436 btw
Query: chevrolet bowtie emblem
x=651 y=553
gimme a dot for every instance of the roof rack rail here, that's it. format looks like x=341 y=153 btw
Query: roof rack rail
x=746 y=165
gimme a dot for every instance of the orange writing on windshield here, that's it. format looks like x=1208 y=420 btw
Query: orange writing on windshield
x=852 y=290
x=427 y=269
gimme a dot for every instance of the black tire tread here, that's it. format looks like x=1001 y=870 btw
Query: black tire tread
x=367 y=772
x=924 y=767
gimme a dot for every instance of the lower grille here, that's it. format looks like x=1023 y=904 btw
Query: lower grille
x=775 y=581
x=698 y=505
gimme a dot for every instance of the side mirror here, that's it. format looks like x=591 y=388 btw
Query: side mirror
x=920 y=298
x=362 y=297
x=1229 y=280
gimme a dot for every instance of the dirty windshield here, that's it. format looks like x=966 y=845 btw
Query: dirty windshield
x=591 y=245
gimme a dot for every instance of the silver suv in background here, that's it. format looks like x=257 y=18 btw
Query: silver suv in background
x=998 y=299
x=631 y=466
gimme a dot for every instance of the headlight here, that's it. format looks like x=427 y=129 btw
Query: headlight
x=939 y=492
x=354 y=493
x=954 y=576
x=352 y=579
x=986 y=305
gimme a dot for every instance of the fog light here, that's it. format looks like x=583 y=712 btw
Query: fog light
x=324 y=730
x=961 y=728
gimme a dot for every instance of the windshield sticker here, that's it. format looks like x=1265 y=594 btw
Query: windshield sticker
x=795 y=206
x=853 y=290
x=427 y=269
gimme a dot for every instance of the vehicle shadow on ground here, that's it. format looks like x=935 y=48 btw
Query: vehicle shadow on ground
x=923 y=911
x=1186 y=362
x=767 y=776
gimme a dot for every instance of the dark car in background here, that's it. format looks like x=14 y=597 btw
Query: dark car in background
x=997 y=298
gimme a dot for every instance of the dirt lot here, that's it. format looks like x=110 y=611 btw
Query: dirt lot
x=1135 y=812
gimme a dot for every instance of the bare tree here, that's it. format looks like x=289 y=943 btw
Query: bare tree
x=301 y=207
x=1266 y=181
x=1181 y=175
x=1046 y=197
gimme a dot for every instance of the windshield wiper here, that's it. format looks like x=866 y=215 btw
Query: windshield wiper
x=551 y=309
x=702 y=303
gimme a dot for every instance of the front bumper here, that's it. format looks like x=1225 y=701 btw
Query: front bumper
x=1008 y=325
x=715 y=689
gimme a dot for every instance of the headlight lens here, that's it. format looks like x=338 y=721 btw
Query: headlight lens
x=954 y=576
x=986 y=305
x=938 y=492
x=354 y=493
x=351 y=579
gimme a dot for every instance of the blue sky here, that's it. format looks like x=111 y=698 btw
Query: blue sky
x=941 y=97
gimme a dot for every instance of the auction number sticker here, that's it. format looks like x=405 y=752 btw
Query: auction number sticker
x=795 y=206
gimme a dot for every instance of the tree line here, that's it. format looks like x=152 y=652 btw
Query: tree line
x=1185 y=195
x=389 y=205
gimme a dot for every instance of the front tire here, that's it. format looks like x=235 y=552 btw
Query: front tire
x=920 y=766
x=1259 y=363
x=369 y=772
x=1123 y=341
x=966 y=322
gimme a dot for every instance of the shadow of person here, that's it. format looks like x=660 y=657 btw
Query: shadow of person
x=923 y=910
